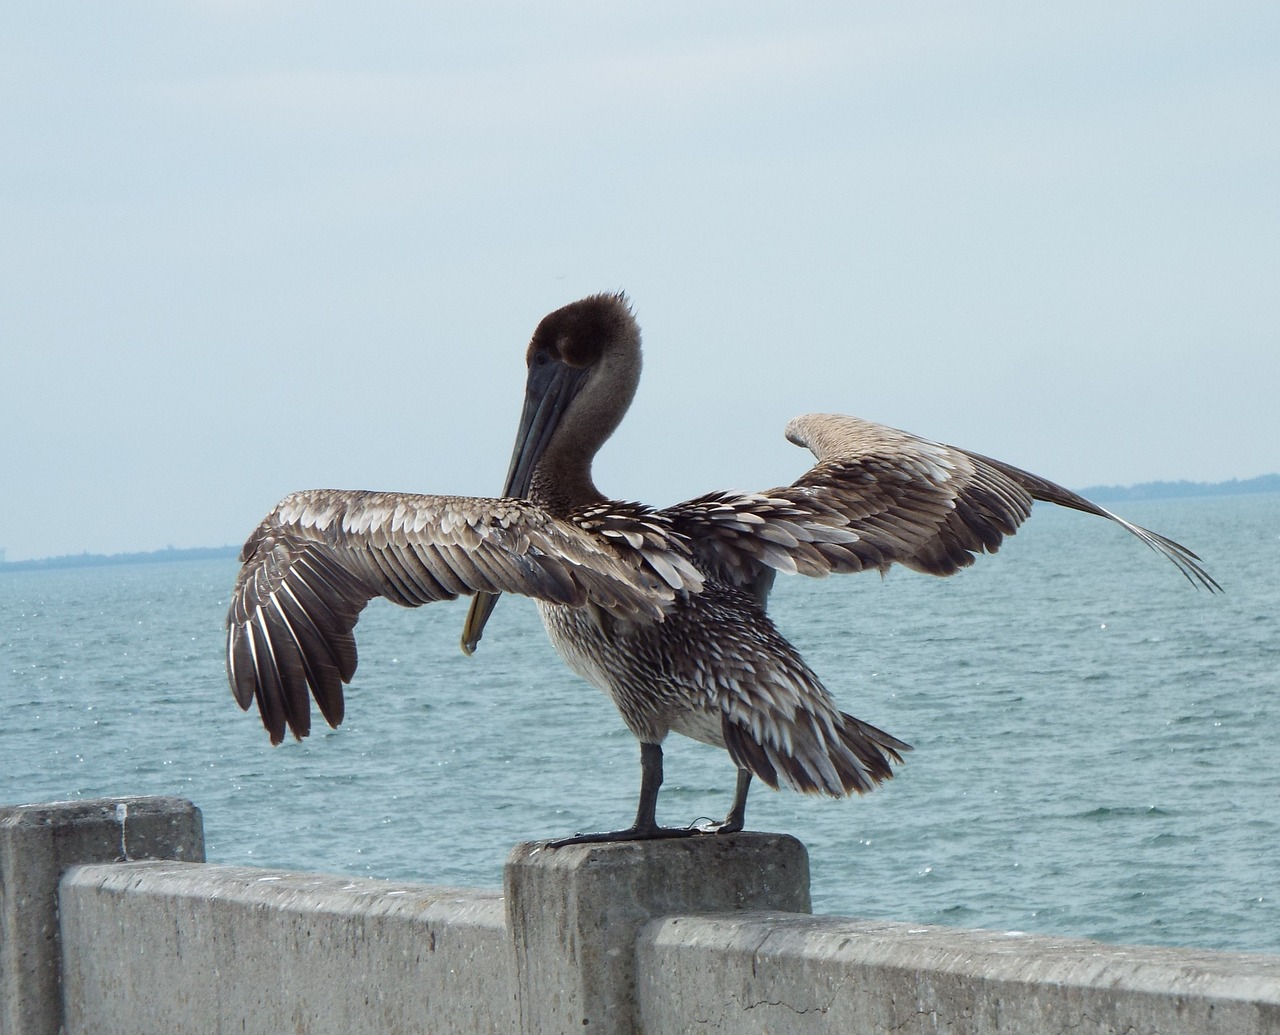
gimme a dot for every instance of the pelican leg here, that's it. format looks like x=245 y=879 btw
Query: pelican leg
x=737 y=817
x=645 y=826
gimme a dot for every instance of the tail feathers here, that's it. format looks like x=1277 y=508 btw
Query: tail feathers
x=816 y=757
x=873 y=747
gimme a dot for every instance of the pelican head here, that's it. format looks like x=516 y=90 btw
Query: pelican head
x=584 y=367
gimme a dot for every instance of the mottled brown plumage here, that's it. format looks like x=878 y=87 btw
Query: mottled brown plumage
x=664 y=610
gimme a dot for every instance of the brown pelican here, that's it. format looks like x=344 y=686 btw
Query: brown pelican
x=664 y=610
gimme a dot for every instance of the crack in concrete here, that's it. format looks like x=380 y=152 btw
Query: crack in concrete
x=798 y=1010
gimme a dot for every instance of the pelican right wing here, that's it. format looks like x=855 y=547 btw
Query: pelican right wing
x=321 y=555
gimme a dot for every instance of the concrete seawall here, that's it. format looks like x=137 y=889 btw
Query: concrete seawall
x=773 y=973
x=699 y=934
x=210 y=948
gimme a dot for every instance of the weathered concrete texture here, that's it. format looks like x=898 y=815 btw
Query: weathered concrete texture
x=38 y=843
x=769 y=973
x=168 y=948
x=575 y=912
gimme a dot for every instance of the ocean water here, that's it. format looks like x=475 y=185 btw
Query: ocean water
x=1097 y=743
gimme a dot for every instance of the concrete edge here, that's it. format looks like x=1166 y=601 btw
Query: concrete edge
x=291 y=890
x=999 y=956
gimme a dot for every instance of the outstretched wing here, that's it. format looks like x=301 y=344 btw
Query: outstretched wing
x=878 y=497
x=321 y=555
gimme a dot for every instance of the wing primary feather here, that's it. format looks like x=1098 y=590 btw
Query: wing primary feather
x=241 y=664
x=289 y=666
x=267 y=689
x=319 y=670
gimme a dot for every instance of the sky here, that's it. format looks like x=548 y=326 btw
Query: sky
x=253 y=247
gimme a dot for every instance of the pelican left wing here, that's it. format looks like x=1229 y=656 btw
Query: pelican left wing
x=934 y=507
x=320 y=556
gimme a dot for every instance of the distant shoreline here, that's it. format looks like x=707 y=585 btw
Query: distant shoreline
x=99 y=560
x=1102 y=493
x=1183 y=489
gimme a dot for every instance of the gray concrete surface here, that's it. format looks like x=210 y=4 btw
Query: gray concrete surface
x=574 y=914
x=38 y=843
x=690 y=935
x=168 y=948
x=777 y=973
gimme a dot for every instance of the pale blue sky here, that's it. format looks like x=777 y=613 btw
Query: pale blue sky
x=250 y=247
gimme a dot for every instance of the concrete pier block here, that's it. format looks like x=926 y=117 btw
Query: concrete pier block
x=574 y=914
x=165 y=948
x=38 y=844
